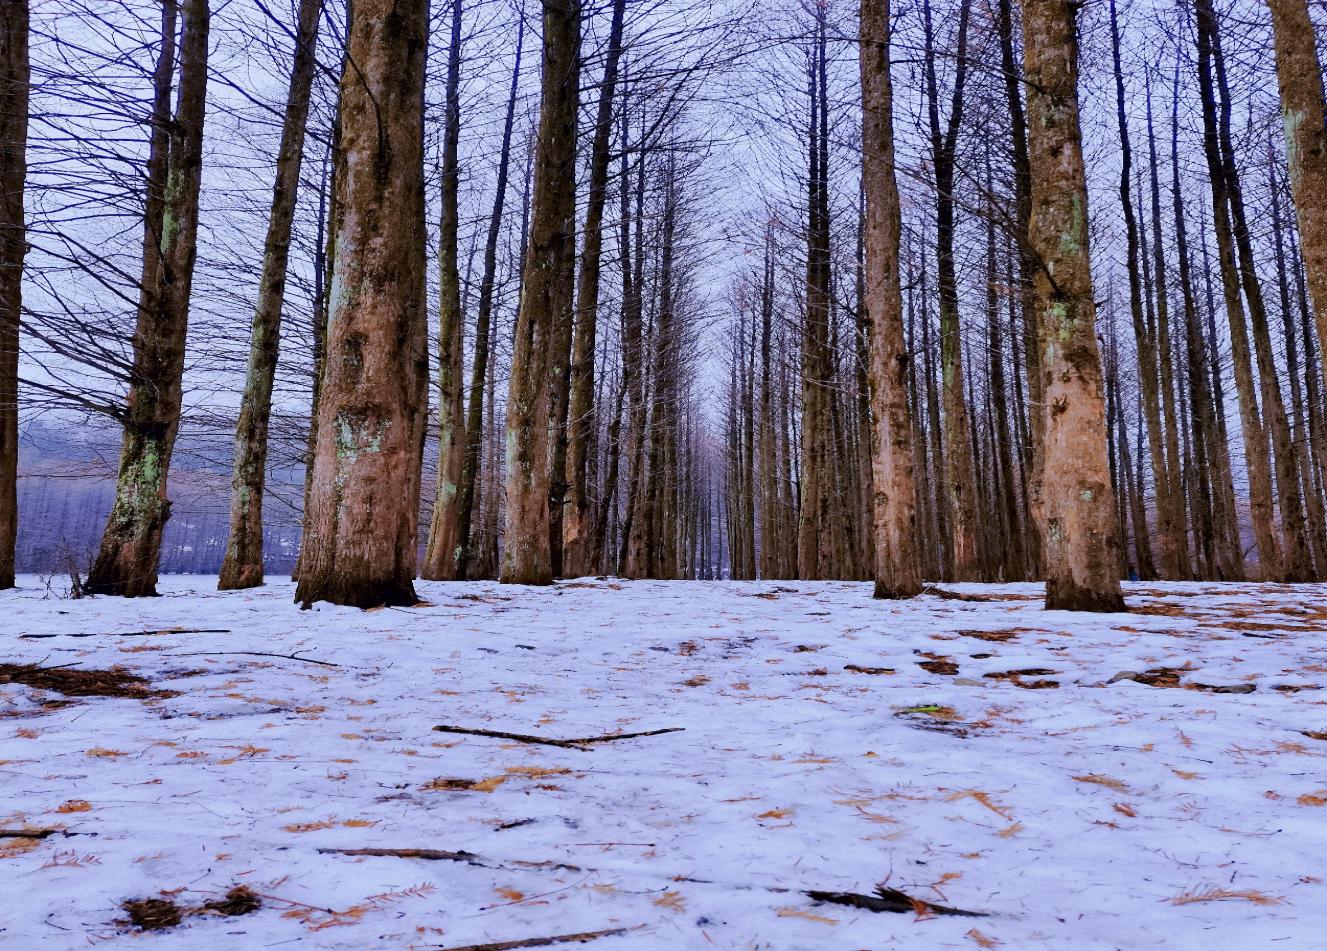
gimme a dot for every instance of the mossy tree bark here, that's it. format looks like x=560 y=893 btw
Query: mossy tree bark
x=898 y=559
x=126 y=562
x=1072 y=488
x=545 y=302
x=15 y=75
x=361 y=526
x=242 y=566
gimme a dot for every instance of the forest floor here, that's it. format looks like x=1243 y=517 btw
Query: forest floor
x=970 y=755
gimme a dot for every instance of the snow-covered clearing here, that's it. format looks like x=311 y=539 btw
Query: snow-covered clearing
x=815 y=754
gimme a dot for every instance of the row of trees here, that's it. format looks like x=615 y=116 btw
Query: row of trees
x=872 y=428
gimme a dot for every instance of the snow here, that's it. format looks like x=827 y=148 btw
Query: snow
x=1088 y=815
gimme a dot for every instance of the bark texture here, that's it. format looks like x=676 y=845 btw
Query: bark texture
x=242 y=566
x=545 y=302
x=1072 y=489
x=898 y=560
x=361 y=526
x=1299 y=75
x=14 y=79
x=126 y=562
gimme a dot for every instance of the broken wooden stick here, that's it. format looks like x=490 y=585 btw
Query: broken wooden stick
x=581 y=743
x=890 y=900
x=428 y=855
x=169 y=630
x=579 y=938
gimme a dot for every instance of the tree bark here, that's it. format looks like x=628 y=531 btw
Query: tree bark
x=242 y=566
x=1299 y=76
x=1074 y=499
x=361 y=528
x=15 y=76
x=444 y=556
x=545 y=301
x=126 y=562
x=898 y=559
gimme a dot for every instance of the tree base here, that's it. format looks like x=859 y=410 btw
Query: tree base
x=356 y=593
x=1066 y=596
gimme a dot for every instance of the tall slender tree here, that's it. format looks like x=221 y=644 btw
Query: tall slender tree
x=126 y=562
x=242 y=566
x=898 y=559
x=361 y=527
x=15 y=75
x=546 y=302
x=443 y=558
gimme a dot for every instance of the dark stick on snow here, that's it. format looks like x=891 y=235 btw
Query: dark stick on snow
x=307 y=660
x=577 y=744
x=579 y=938
x=891 y=900
x=34 y=833
x=429 y=855
x=36 y=637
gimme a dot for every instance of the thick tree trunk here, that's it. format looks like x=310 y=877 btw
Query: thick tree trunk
x=444 y=556
x=15 y=75
x=546 y=302
x=1299 y=75
x=361 y=528
x=242 y=566
x=578 y=558
x=126 y=562
x=898 y=558
x=1075 y=503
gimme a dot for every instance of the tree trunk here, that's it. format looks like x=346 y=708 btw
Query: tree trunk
x=242 y=566
x=126 y=562
x=815 y=548
x=898 y=559
x=545 y=302
x=444 y=558
x=1299 y=75
x=15 y=75
x=1075 y=502
x=577 y=527
x=361 y=528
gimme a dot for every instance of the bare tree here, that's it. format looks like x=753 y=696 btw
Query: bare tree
x=126 y=562
x=546 y=302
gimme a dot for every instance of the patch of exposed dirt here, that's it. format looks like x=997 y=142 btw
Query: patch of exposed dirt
x=157 y=914
x=1015 y=677
x=113 y=682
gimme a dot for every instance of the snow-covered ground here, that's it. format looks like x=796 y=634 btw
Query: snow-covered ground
x=814 y=754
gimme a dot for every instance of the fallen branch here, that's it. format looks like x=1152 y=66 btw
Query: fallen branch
x=170 y=630
x=307 y=660
x=579 y=938
x=581 y=743
x=429 y=855
x=37 y=833
x=890 y=900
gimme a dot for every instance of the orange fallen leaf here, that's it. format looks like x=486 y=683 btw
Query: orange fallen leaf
x=1100 y=780
x=775 y=814
x=672 y=900
x=75 y=805
x=983 y=940
x=798 y=913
